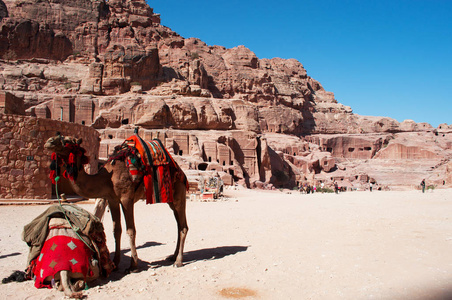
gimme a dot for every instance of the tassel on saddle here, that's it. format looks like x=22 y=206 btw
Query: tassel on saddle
x=55 y=169
x=75 y=152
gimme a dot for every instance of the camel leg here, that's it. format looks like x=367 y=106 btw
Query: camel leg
x=178 y=207
x=117 y=230
x=64 y=278
x=99 y=208
x=127 y=209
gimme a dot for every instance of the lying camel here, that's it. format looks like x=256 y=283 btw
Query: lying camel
x=113 y=183
x=67 y=249
x=71 y=283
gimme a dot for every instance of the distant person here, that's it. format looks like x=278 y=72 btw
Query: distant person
x=336 y=188
x=301 y=189
x=314 y=189
x=308 y=189
x=370 y=186
x=423 y=185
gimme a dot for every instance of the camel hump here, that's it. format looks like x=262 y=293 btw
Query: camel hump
x=152 y=153
x=160 y=155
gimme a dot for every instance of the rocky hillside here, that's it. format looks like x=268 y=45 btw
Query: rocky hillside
x=258 y=122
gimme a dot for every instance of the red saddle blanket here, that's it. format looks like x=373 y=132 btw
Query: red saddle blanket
x=62 y=253
x=160 y=169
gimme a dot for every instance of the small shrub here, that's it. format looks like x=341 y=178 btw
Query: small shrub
x=324 y=190
x=194 y=55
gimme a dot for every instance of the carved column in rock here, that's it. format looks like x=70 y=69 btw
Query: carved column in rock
x=265 y=170
x=197 y=74
x=93 y=83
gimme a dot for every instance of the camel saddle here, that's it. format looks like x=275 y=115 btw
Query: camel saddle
x=151 y=161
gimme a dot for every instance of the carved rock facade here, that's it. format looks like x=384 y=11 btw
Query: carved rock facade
x=262 y=123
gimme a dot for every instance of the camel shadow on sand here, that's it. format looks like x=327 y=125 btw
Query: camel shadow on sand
x=189 y=257
x=121 y=271
x=203 y=254
x=9 y=255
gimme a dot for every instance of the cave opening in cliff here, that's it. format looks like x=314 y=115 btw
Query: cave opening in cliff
x=202 y=166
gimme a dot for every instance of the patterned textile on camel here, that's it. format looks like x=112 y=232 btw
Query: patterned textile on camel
x=56 y=246
x=150 y=162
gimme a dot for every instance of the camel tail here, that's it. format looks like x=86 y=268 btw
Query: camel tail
x=99 y=208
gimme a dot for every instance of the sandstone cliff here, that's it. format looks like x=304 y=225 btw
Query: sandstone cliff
x=259 y=122
x=3 y=10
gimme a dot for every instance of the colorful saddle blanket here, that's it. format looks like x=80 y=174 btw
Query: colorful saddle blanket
x=156 y=166
x=59 y=253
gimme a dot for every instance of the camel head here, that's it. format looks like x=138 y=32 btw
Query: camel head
x=58 y=143
x=66 y=150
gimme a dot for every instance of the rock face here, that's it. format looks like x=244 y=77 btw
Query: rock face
x=3 y=10
x=259 y=122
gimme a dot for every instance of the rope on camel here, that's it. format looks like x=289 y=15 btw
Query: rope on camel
x=76 y=229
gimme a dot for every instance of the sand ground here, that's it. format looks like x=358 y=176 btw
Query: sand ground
x=272 y=245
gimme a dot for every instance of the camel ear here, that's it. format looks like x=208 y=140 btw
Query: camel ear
x=79 y=141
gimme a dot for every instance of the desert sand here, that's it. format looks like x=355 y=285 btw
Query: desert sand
x=271 y=245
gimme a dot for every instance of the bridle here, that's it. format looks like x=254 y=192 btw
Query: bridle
x=70 y=162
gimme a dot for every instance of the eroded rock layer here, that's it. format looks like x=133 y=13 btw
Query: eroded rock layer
x=258 y=122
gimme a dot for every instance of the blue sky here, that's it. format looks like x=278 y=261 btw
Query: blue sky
x=382 y=58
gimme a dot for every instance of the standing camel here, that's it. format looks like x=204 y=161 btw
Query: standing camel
x=113 y=183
